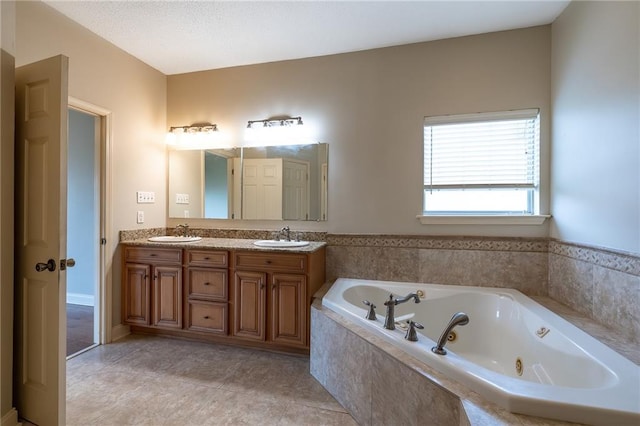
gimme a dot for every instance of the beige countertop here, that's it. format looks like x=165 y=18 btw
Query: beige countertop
x=225 y=244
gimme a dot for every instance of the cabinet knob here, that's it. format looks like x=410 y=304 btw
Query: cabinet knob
x=268 y=262
x=207 y=283
x=206 y=317
x=206 y=258
x=261 y=286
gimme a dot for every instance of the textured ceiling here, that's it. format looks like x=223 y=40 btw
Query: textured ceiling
x=184 y=36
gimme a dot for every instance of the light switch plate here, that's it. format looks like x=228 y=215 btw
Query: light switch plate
x=140 y=216
x=182 y=198
x=146 y=197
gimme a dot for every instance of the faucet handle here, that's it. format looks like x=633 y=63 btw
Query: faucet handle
x=371 y=315
x=411 y=335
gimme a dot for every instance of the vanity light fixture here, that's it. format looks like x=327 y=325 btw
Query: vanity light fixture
x=196 y=136
x=276 y=132
x=276 y=122
x=204 y=128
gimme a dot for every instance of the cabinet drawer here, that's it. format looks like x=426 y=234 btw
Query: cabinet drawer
x=205 y=283
x=271 y=262
x=213 y=259
x=156 y=255
x=210 y=317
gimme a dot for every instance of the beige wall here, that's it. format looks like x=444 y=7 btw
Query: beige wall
x=103 y=75
x=7 y=90
x=369 y=106
x=596 y=125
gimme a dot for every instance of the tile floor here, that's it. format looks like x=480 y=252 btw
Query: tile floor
x=141 y=380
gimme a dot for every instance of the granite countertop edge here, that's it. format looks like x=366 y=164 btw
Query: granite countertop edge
x=225 y=244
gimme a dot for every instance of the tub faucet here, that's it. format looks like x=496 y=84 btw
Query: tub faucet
x=459 y=318
x=389 y=321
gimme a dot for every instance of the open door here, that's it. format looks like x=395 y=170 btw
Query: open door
x=41 y=225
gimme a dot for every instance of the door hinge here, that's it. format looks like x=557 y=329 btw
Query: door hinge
x=103 y=241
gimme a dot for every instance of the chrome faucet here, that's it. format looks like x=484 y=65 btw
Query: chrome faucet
x=287 y=233
x=183 y=229
x=459 y=318
x=389 y=321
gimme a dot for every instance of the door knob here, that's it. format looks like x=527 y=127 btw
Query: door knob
x=49 y=266
x=67 y=263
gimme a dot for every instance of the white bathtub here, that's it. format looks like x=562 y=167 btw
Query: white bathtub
x=566 y=374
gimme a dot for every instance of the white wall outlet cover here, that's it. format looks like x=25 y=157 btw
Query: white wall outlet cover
x=140 y=216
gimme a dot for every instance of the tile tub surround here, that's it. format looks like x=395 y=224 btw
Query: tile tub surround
x=489 y=262
x=381 y=385
x=600 y=283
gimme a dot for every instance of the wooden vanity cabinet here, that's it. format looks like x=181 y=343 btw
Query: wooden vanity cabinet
x=206 y=288
x=189 y=293
x=152 y=287
x=271 y=296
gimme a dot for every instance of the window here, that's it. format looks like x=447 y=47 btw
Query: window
x=482 y=164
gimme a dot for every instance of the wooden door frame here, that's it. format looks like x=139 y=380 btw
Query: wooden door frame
x=105 y=286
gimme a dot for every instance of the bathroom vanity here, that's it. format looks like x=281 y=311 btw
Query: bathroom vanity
x=222 y=290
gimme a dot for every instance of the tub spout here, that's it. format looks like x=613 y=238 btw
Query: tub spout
x=389 y=321
x=459 y=318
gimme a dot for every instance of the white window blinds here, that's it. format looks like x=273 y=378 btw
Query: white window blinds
x=493 y=150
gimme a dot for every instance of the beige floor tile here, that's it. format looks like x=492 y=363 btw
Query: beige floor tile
x=161 y=381
x=300 y=415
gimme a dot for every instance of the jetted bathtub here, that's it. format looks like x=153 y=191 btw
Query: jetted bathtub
x=513 y=352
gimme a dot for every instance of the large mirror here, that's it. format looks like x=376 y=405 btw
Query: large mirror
x=261 y=183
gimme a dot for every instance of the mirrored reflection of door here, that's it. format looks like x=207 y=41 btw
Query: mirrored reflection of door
x=295 y=190
x=262 y=188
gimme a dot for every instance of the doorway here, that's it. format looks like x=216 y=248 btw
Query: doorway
x=83 y=230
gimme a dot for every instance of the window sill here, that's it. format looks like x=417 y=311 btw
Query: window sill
x=483 y=220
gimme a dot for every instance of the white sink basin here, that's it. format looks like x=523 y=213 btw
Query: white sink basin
x=281 y=243
x=173 y=239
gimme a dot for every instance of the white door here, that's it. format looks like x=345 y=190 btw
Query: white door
x=41 y=222
x=295 y=190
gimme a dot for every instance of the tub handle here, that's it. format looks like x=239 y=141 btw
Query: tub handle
x=371 y=315
x=411 y=335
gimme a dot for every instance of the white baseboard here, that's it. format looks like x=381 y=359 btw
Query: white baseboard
x=119 y=331
x=80 y=299
x=10 y=419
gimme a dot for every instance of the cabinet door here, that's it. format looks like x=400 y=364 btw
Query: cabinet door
x=136 y=293
x=249 y=304
x=289 y=309
x=167 y=296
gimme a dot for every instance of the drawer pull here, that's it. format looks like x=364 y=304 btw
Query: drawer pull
x=207 y=283
x=153 y=254
x=206 y=317
x=207 y=258
x=268 y=262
